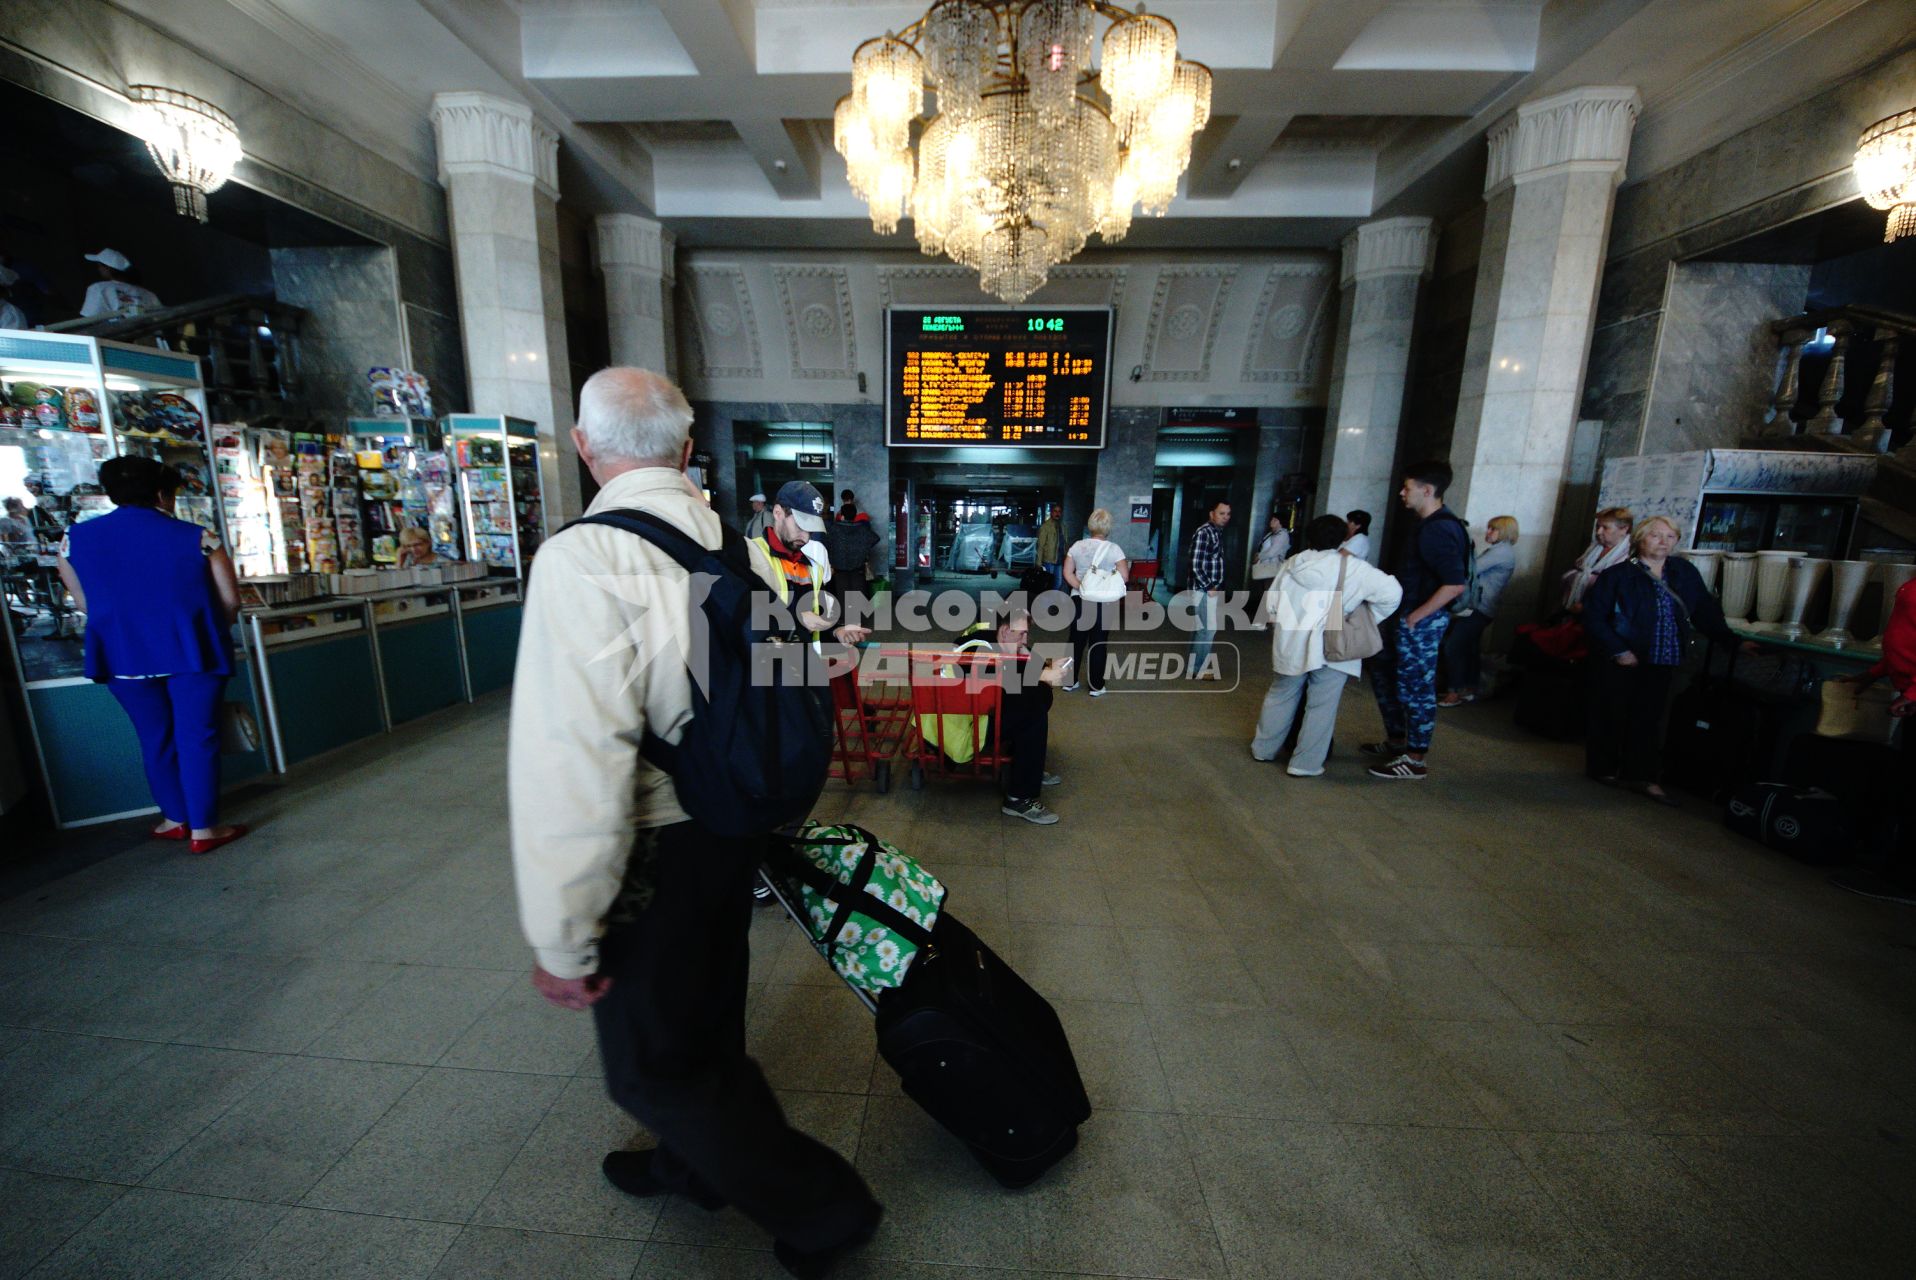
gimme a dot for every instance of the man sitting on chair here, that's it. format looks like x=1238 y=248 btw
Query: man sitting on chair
x=1024 y=721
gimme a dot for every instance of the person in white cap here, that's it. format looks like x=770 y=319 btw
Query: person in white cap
x=113 y=293
x=11 y=317
x=761 y=518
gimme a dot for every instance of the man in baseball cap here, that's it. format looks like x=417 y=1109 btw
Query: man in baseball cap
x=804 y=505
x=113 y=293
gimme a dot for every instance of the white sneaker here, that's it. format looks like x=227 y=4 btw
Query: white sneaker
x=1304 y=773
x=1072 y=687
x=1029 y=810
x=1099 y=693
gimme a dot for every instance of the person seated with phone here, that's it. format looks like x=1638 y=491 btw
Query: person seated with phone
x=1025 y=719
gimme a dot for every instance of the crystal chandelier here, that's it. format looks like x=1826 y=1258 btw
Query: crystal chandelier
x=1030 y=152
x=194 y=143
x=1886 y=171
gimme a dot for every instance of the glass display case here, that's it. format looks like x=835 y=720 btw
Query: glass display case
x=500 y=499
x=67 y=404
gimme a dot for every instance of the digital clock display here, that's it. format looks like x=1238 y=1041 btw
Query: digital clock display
x=998 y=376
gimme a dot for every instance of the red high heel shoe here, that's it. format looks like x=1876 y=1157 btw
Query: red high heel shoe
x=213 y=842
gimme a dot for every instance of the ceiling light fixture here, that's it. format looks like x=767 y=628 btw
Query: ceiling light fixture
x=194 y=143
x=1886 y=171
x=1030 y=152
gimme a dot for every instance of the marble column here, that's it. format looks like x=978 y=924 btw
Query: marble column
x=499 y=166
x=1125 y=469
x=1383 y=264
x=1549 y=190
x=634 y=255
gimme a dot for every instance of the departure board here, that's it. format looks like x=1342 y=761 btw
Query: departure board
x=1029 y=378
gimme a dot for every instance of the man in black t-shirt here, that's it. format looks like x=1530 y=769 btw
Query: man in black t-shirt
x=1433 y=564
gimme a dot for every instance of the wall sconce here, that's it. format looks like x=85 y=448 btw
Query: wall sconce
x=194 y=143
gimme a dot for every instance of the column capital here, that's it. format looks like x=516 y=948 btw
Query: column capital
x=484 y=133
x=1388 y=247
x=628 y=240
x=1584 y=130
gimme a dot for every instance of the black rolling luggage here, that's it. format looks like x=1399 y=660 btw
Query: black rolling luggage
x=972 y=1043
x=1807 y=823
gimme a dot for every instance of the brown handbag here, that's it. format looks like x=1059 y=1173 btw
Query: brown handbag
x=1353 y=636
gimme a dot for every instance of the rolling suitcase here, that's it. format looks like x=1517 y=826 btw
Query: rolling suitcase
x=972 y=1043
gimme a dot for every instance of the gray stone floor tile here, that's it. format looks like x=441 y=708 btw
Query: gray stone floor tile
x=280 y=1140
x=1548 y=984
x=124 y=1128
x=312 y=1244
x=71 y=978
x=441 y=1148
x=163 y=1002
x=1379 y=1071
x=1073 y=962
x=940 y=1204
x=835 y=1119
x=42 y=1213
x=1434 y=980
x=663 y=1261
x=416 y=1016
x=1186 y=966
x=1524 y=1077
x=493 y=1253
x=1806 y=1078
x=1117 y=1054
x=283 y=1004
x=49 y=1071
x=162 y=1235
x=1807 y=1202
x=554 y=1183
x=1224 y=1060
x=1288 y=1199
x=1144 y=904
x=1307 y=971
x=812 y=1038
x=1466 y=1206
x=1630 y=1193
x=523 y=1031
x=1053 y=897
x=1126 y=1202
x=1666 y=1085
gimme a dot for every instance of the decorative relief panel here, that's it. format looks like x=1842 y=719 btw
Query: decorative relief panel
x=817 y=304
x=724 y=331
x=1287 y=329
x=1089 y=285
x=1182 y=331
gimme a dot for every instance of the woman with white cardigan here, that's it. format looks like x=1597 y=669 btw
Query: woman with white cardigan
x=1299 y=607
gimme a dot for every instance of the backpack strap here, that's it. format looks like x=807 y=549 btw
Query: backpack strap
x=685 y=551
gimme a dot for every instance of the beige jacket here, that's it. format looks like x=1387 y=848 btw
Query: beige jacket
x=601 y=657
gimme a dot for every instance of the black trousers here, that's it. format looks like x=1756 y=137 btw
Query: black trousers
x=672 y=1038
x=1025 y=722
x=1088 y=645
x=1627 y=706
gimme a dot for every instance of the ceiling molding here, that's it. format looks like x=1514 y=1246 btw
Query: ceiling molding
x=1185 y=314
x=1752 y=53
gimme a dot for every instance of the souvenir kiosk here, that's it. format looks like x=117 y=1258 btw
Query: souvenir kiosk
x=68 y=403
x=503 y=507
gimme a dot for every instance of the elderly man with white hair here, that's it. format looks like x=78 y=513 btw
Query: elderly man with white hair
x=632 y=909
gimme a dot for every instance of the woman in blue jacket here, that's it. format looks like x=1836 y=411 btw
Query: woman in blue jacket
x=1639 y=616
x=160 y=598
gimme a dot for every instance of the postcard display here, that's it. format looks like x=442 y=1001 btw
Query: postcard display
x=67 y=404
x=504 y=511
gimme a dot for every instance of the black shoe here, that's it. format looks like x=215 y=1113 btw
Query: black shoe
x=1387 y=750
x=762 y=896
x=631 y=1172
x=810 y=1266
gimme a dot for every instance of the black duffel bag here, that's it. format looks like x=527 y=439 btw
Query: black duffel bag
x=1807 y=823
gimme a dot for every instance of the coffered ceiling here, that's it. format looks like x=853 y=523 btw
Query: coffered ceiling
x=715 y=114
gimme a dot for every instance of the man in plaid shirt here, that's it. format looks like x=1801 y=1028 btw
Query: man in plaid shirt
x=1207 y=578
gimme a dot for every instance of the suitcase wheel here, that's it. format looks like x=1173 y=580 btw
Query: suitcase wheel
x=918 y=777
x=881 y=776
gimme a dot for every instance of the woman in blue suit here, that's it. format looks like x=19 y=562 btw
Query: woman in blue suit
x=1639 y=615
x=160 y=597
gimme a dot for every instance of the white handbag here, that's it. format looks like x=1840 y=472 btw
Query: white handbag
x=1100 y=585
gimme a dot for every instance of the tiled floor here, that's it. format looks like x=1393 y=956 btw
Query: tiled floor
x=1497 y=1024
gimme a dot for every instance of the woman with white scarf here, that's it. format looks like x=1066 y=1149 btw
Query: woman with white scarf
x=1612 y=547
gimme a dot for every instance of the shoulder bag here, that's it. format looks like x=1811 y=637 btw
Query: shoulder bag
x=1353 y=636
x=1100 y=585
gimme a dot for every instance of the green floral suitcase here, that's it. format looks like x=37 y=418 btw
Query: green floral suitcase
x=874 y=914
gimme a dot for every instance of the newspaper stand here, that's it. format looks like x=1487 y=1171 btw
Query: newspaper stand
x=956 y=692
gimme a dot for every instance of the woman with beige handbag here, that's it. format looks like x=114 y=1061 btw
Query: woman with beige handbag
x=1324 y=607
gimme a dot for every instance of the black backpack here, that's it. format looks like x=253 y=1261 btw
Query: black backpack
x=759 y=745
x=1808 y=823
